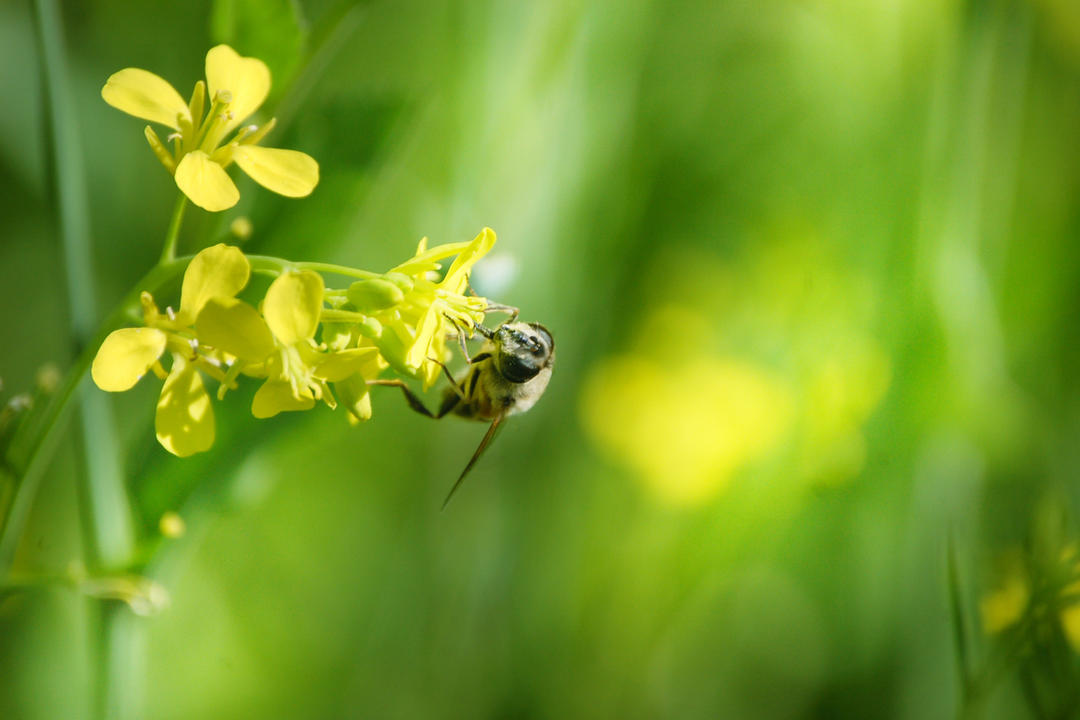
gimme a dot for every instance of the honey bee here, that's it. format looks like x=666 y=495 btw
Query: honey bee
x=506 y=377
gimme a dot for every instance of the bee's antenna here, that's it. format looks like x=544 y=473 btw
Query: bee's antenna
x=484 y=331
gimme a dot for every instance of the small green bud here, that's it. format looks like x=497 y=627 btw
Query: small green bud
x=402 y=280
x=374 y=295
x=370 y=328
x=241 y=228
x=171 y=525
x=48 y=378
x=337 y=336
x=394 y=351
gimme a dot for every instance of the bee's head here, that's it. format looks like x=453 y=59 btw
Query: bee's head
x=522 y=350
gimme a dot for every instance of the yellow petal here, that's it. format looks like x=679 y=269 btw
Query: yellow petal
x=1005 y=605
x=286 y=172
x=425 y=259
x=205 y=182
x=235 y=327
x=277 y=396
x=421 y=347
x=430 y=372
x=247 y=80
x=293 y=305
x=145 y=95
x=458 y=274
x=340 y=365
x=184 y=420
x=125 y=356
x=1070 y=623
x=218 y=271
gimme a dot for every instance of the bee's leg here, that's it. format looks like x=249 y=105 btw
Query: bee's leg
x=461 y=340
x=508 y=309
x=410 y=397
x=451 y=399
x=464 y=347
x=446 y=371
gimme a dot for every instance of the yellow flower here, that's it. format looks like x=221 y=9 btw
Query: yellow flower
x=184 y=421
x=237 y=88
x=1070 y=614
x=280 y=344
x=1042 y=592
x=429 y=312
x=401 y=318
x=1005 y=604
x=686 y=425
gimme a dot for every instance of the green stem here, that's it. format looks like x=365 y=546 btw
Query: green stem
x=34 y=460
x=264 y=263
x=168 y=252
x=22 y=583
x=104 y=506
x=329 y=315
x=956 y=612
x=338 y=270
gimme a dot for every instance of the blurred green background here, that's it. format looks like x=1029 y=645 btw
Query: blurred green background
x=812 y=270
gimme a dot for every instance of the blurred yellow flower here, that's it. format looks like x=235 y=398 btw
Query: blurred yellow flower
x=237 y=88
x=1043 y=592
x=1005 y=605
x=765 y=355
x=1070 y=614
x=688 y=424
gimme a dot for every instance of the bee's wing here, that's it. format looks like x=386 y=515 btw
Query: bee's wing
x=476 y=456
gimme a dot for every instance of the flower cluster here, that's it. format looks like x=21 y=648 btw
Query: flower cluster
x=237 y=87
x=1035 y=595
x=307 y=342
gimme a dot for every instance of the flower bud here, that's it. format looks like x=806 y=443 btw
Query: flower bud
x=374 y=295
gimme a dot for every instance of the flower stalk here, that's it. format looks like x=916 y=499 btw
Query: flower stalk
x=168 y=251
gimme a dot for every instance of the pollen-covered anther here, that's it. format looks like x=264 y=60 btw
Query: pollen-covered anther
x=244 y=133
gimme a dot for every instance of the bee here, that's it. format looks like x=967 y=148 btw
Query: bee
x=506 y=377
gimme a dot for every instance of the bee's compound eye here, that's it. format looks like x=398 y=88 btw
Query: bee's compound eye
x=517 y=367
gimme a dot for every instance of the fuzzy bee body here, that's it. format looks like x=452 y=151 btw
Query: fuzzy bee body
x=506 y=377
